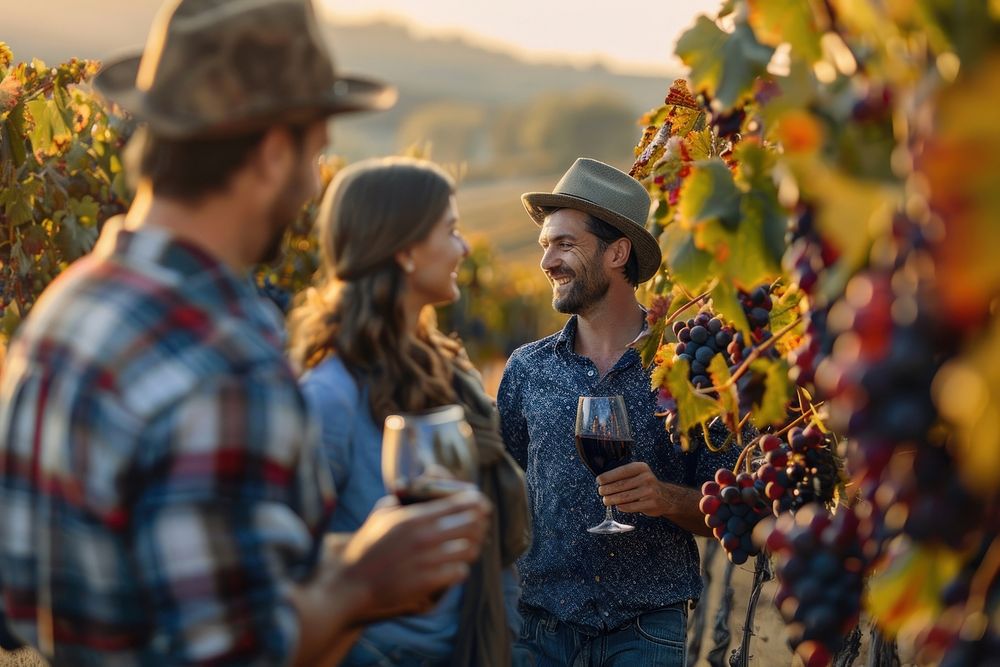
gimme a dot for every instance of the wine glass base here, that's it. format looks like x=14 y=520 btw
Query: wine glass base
x=607 y=527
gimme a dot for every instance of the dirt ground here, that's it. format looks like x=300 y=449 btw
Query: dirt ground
x=769 y=643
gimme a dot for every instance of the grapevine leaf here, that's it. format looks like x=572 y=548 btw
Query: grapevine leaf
x=699 y=49
x=785 y=310
x=77 y=231
x=851 y=211
x=700 y=144
x=792 y=21
x=692 y=408
x=710 y=193
x=758 y=256
x=967 y=392
x=690 y=266
x=744 y=59
x=727 y=304
x=755 y=175
x=773 y=407
x=962 y=166
x=10 y=321
x=14 y=126
x=755 y=165
x=17 y=203
x=50 y=133
x=648 y=346
x=908 y=590
x=719 y=373
x=724 y=64
x=6 y=57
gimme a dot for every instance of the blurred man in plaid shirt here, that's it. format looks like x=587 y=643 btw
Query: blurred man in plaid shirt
x=162 y=496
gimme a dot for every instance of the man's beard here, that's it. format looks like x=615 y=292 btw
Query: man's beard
x=586 y=289
x=283 y=214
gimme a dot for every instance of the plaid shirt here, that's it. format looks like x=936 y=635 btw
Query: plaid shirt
x=161 y=481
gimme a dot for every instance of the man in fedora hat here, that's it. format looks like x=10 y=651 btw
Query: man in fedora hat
x=600 y=600
x=163 y=499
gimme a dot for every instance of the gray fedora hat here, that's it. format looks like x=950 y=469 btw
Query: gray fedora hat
x=226 y=67
x=609 y=195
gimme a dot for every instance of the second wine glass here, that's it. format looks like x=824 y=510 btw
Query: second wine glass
x=428 y=455
x=604 y=442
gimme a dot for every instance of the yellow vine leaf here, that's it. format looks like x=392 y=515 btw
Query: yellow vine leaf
x=967 y=392
x=692 y=408
x=905 y=595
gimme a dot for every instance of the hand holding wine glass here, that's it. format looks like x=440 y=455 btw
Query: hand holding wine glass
x=604 y=442
x=428 y=455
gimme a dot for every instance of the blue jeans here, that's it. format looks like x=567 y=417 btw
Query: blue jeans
x=657 y=638
x=368 y=654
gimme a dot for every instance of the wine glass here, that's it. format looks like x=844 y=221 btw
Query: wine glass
x=427 y=455
x=604 y=442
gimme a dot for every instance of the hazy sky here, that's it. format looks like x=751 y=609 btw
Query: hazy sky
x=636 y=33
x=627 y=34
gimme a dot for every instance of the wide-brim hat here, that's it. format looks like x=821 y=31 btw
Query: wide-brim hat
x=609 y=195
x=227 y=67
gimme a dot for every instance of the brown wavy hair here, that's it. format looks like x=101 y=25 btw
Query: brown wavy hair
x=372 y=210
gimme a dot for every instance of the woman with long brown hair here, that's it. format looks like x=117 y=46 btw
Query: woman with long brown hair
x=366 y=339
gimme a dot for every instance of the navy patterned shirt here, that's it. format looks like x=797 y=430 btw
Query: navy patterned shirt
x=596 y=582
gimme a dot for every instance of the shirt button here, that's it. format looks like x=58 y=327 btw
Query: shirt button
x=606 y=614
x=590 y=373
x=597 y=578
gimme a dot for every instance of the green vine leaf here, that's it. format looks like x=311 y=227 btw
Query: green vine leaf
x=710 y=193
x=648 y=346
x=692 y=408
x=723 y=64
x=727 y=303
x=690 y=266
x=773 y=406
x=786 y=21
x=729 y=399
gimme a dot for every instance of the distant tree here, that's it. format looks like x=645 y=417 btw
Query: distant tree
x=456 y=131
x=560 y=128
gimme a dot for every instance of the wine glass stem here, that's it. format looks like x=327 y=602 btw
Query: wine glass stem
x=607 y=514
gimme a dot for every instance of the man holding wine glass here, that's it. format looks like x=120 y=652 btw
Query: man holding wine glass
x=616 y=593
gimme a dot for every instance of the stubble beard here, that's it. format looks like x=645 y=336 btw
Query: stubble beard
x=587 y=288
x=283 y=215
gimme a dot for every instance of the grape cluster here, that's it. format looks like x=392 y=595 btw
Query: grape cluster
x=807 y=257
x=732 y=508
x=820 y=573
x=880 y=386
x=750 y=386
x=699 y=340
x=798 y=472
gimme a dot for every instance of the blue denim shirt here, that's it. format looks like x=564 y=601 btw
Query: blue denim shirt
x=352 y=442
x=596 y=582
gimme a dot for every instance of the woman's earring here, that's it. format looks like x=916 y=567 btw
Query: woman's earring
x=409 y=267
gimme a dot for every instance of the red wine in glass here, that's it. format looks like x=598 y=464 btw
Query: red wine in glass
x=604 y=442
x=430 y=489
x=603 y=454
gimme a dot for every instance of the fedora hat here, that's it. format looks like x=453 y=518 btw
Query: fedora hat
x=226 y=67
x=609 y=195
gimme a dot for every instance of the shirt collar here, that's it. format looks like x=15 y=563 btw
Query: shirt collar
x=567 y=337
x=155 y=252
